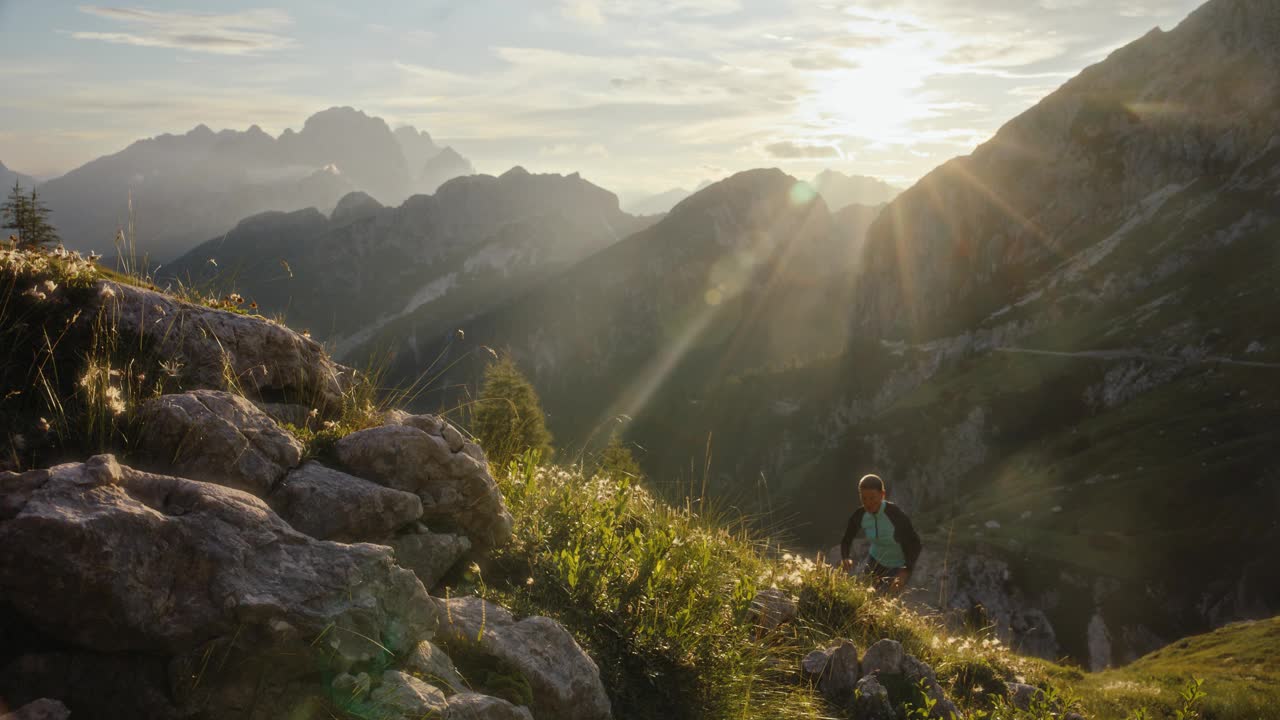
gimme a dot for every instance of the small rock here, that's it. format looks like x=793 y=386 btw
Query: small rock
x=992 y=525
x=42 y=709
x=1021 y=695
x=565 y=680
x=871 y=701
x=813 y=664
x=884 y=656
x=409 y=696
x=474 y=706
x=841 y=674
x=773 y=607
x=433 y=665
x=349 y=687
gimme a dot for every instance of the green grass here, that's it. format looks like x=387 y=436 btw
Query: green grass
x=1238 y=664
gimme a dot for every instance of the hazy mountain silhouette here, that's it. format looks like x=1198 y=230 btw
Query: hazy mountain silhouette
x=840 y=190
x=187 y=188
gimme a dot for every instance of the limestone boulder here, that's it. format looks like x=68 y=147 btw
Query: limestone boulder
x=564 y=679
x=110 y=559
x=457 y=491
x=217 y=437
x=473 y=706
x=331 y=505
x=814 y=664
x=217 y=349
x=429 y=555
x=403 y=695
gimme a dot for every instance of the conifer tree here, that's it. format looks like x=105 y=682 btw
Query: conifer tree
x=28 y=216
x=617 y=460
x=508 y=417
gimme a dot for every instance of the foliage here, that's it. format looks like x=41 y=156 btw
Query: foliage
x=507 y=418
x=28 y=217
x=617 y=461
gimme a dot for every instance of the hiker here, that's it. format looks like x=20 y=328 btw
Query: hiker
x=895 y=546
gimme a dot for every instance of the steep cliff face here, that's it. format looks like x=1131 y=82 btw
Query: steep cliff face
x=1193 y=106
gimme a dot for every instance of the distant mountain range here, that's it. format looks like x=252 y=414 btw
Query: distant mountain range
x=837 y=189
x=417 y=270
x=187 y=188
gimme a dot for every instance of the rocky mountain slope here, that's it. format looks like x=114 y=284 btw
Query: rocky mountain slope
x=1062 y=355
x=187 y=188
x=410 y=271
x=732 y=279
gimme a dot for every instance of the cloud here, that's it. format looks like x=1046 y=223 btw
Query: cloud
x=822 y=61
x=243 y=33
x=792 y=150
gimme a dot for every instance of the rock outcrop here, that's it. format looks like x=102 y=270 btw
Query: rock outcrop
x=216 y=437
x=429 y=555
x=439 y=466
x=110 y=559
x=565 y=681
x=200 y=347
x=863 y=687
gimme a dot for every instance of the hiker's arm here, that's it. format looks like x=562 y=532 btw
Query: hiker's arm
x=850 y=532
x=906 y=536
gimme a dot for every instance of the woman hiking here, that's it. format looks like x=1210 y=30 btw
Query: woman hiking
x=895 y=546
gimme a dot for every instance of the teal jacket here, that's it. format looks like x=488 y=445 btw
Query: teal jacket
x=894 y=543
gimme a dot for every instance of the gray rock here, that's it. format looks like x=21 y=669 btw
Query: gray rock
x=918 y=673
x=456 y=489
x=772 y=607
x=216 y=437
x=42 y=709
x=222 y=350
x=473 y=706
x=871 y=701
x=1021 y=695
x=408 y=696
x=113 y=560
x=565 y=681
x=430 y=663
x=840 y=676
x=331 y=505
x=429 y=555
x=815 y=663
x=884 y=656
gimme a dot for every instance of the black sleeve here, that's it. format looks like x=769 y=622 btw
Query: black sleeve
x=850 y=532
x=904 y=534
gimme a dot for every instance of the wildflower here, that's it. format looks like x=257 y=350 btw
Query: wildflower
x=459 y=334
x=107 y=292
x=115 y=403
x=50 y=286
x=42 y=425
x=170 y=367
x=93 y=256
x=306 y=333
x=314 y=413
x=528 y=581
x=140 y=378
x=253 y=305
x=235 y=298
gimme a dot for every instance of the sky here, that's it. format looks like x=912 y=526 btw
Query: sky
x=638 y=95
